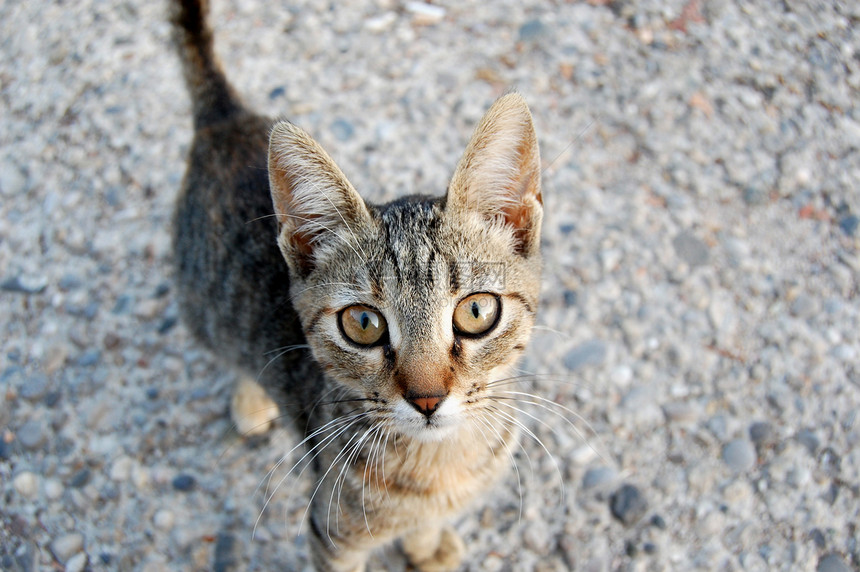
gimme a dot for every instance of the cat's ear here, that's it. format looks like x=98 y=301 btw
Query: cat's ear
x=499 y=174
x=316 y=206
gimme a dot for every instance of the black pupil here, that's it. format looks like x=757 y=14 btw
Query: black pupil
x=476 y=311
x=365 y=320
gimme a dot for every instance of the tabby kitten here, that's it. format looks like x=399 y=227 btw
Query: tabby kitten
x=391 y=325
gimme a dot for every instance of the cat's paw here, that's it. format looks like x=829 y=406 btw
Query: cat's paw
x=446 y=556
x=251 y=408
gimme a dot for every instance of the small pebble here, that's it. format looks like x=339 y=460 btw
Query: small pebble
x=77 y=563
x=183 y=482
x=739 y=455
x=680 y=412
x=598 y=476
x=89 y=358
x=804 y=306
x=658 y=521
x=532 y=30
x=121 y=469
x=343 y=130
x=34 y=387
x=425 y=14
x=81 y=478
x=849 y=224
x=381 y=23
x=26 y=484
x=31 y=434
x=164 y=519
x=25 y=284
x=832 y=563
x=818 y=538
x=691 y=249
x=589 y=353
x=53 y=489
x=628 y=505
x=809 y=441
x=761 y=432
x=66 y=546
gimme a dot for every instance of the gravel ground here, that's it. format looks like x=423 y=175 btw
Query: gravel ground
x=700 y=315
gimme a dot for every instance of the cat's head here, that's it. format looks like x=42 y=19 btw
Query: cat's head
x=416 y=307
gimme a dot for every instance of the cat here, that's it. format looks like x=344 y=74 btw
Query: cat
x=384 y=332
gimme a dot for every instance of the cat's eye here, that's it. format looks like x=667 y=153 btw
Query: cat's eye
x=362 y=325
x=476 y=314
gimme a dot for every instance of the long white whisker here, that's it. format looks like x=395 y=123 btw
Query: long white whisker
x=492 y=428
x=549 y=405
x=531 y=434
x=325 y=442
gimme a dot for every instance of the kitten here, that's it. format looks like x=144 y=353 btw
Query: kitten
x=392 y=325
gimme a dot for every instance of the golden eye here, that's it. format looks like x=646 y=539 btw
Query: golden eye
x=362 y=325
x=476 y=314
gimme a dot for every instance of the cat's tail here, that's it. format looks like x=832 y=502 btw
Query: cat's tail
x=213 y=99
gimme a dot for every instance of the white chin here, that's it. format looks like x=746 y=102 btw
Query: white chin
x=432 y=432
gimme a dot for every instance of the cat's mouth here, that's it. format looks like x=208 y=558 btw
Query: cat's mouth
x=432 y=428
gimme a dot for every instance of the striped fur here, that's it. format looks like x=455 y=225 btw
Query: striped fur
x=272 y=243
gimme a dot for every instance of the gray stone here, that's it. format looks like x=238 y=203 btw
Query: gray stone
x=754 y=196
x=761 y=433
x=342 y=129
x=34 y=387
x=628 y=504
x=849 y=224
x=81 y=478
x=225 y=553
x=25 y=284
x=691 y=249
x=13 y=181
x=69 y=282
x=532 y=30
x=739 y=455
x=598 y=476
x=809 y=440
x=832 y=563
x=184 y=482
x=31 y=434
x=592 y=352
x=804 y=306
x=89 y=358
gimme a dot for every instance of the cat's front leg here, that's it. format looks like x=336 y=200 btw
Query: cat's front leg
x=251 y=408
x=434 y=549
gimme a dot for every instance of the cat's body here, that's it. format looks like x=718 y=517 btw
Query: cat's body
x=404 y=314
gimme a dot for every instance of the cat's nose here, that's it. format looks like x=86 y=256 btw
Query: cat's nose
x=425 y=404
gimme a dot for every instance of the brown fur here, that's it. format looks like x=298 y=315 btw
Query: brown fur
x=273 y=243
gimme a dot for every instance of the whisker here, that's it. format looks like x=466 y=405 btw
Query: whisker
x=490 y=426
x=340 y=424
x=530 y=433
x=548 y=405
x=287 y=348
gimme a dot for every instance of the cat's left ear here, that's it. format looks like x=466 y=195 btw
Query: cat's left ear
x=316 y=206
x=499 y=173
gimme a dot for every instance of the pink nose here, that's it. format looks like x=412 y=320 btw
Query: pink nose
x=426 y=405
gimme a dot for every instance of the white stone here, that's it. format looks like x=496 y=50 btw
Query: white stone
x=26 y=484
x=164 y=519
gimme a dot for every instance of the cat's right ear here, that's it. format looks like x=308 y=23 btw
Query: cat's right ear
x=316 y=206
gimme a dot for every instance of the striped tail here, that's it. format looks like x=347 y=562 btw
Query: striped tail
x=213 y=99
